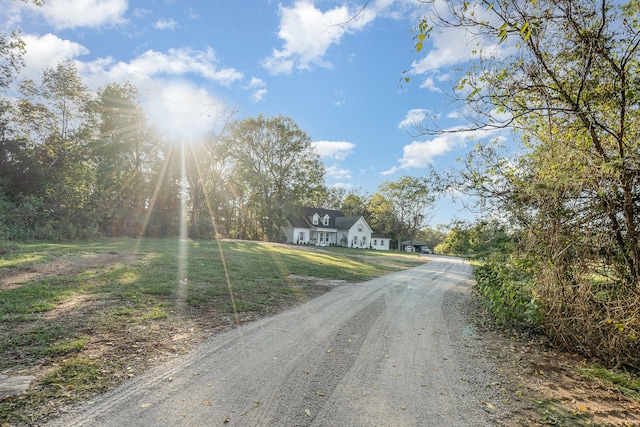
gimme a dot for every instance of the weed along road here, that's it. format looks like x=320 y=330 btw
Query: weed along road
x=394 y=351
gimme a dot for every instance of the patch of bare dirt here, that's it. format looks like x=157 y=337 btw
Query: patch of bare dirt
x=61 y=266
x=317 y=280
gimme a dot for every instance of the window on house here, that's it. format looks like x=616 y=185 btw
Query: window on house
x=375 y=242
x=326 y=220
x=301 y=237
x=359 y=227
x=315 y=219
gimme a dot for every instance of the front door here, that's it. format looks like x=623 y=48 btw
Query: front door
x=323 y=238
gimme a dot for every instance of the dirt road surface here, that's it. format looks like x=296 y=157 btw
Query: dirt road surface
x=394 y=351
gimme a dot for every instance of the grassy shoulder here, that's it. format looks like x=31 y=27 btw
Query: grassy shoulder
x=82 y=317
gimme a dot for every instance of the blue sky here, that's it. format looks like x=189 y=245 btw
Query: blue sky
x=339 y=77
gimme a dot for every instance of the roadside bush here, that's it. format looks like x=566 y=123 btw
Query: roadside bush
x=508 y=293
x=592 y=315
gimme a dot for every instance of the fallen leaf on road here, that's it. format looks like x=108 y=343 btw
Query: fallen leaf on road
x=207 y=403
x=308 y=412
x=319 y=393
x=404 y=408
x=146 y=405
x=488 y=405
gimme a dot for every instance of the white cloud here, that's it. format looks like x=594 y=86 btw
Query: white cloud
x=449 y=47
x=48 y=51
x=165 y=24
x=336 y=173
x=308 y=32
x=430 y=84
x=140 y=12
x=337 y=150
x=413 y=118
x=182 y=110
x=83 y=13
x=175 y=62
x=419 y=154
x=10 y=15
x=258 y=88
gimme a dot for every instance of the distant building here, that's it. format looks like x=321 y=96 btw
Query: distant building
x=415 y=246
x=326 y=227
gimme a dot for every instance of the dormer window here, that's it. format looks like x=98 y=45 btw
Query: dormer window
x=326 y=220
x=315 y=219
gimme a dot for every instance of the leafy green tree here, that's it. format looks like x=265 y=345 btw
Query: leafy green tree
x=400 y=207
x=381 y=216
x=123 y=151
x=277 y=166
x=355 y=204
x=570 y=90
x=330 y=198
x=11 y=51
x=431 y=237
x=207 y=173
x=54 y=118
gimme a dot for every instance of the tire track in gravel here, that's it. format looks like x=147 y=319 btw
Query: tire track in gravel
x=313 y=378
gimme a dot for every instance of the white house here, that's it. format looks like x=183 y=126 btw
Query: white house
x=326 y=227
x=380 y=243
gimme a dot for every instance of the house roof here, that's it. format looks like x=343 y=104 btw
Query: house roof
x=304 y=219
x=346 y=222
x=379 y=236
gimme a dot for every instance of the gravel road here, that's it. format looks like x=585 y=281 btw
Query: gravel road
x=394 y=351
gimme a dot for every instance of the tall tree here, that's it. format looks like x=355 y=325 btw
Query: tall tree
x=123 y=151
x=570 y=89
x=355 y=204
x=53 y=116
x=403 y=204
x=278 y=166
x=206 y=173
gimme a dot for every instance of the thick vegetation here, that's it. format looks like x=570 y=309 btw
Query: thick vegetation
x=568 y=89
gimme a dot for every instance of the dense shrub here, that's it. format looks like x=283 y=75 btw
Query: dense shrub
x=508 y=293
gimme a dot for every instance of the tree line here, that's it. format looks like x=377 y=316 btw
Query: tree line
x=76 y=164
